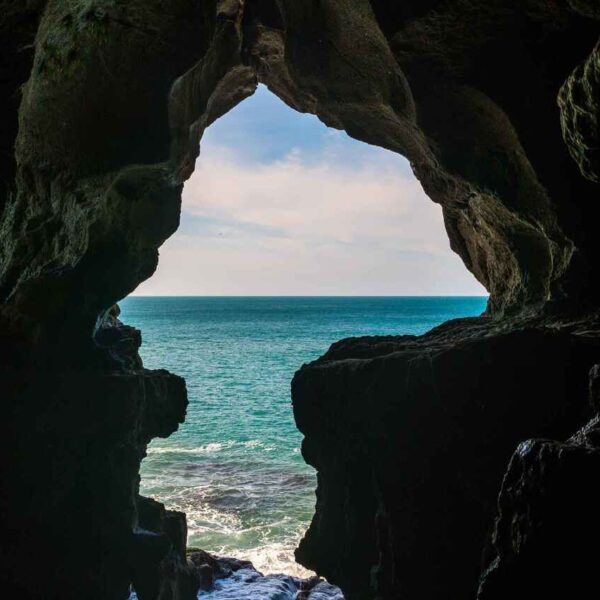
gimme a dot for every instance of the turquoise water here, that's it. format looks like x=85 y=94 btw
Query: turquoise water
x=234 y=467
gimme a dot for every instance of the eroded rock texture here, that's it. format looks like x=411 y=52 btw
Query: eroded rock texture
x=579 y=101
x=495 y=103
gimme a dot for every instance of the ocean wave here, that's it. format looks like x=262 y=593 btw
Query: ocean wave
x=237 y=503
x=276 y=557
x=269 y=544
x=210 y=448
x=206 y=449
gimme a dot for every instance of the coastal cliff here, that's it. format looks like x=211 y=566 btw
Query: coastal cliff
x=495 y=104
x=410 y=437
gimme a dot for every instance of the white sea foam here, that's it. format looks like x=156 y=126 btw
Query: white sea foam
x=276 y=557
x=206 y=449
x=252 y=444
x=267 y=557
x=211 y=448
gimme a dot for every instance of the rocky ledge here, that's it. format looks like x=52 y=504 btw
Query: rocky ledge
x=411 y=437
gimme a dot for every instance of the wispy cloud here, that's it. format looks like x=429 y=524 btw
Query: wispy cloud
x=316 y=199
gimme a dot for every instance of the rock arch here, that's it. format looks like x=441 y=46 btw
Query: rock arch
x=105 y=104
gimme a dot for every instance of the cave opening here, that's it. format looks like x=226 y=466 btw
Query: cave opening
x=429 y=449
x=293 y=235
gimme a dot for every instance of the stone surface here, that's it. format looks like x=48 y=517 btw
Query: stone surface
x=104 y=103
x=160 y=567
x=547 y=523
x=71 y=444
x=410 y=437
x=579 y=101
x=18 y=23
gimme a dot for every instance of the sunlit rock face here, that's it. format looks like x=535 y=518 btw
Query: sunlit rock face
x=579 y=102
x=104 y=102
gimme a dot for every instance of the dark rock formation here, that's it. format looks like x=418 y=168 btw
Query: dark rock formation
x=547 y=525
x=18 y=24
x=410 y=437
x=495 y=103
x=71 y=446
x=160 y=569
x=579 y=102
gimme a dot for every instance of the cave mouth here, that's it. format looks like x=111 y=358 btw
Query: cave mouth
x=113 y=98
x=286 y=226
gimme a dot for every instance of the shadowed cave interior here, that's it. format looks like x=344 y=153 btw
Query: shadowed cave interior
x=495 y=105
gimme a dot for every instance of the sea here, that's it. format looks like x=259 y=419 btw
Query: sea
x=235 y=466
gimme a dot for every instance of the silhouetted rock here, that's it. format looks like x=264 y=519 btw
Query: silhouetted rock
x=547 y=523
x=159 y=565
x=411 y=438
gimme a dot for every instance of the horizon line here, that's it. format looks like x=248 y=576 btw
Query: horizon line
x=306 y=296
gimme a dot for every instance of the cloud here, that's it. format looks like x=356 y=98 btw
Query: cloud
x=347 y=218
x=316 y=200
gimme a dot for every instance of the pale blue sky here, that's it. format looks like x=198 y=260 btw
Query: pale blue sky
x=264 y=129
x=279 y=204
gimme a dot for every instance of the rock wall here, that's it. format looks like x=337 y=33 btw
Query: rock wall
x=546 y=525
x=71 y=443
x=410 y=437
x=495 y=103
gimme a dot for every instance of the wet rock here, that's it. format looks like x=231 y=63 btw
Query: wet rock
x=206 y=577
x=324 y=591
x=239 y=580
x=231 y=565
x=207 y=567
x=307 y=586
x=226 y=578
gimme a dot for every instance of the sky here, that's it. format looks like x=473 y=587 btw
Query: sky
x=279 y=205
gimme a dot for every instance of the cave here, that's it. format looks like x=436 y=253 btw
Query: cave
x=457 y=464
x=279 y=211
